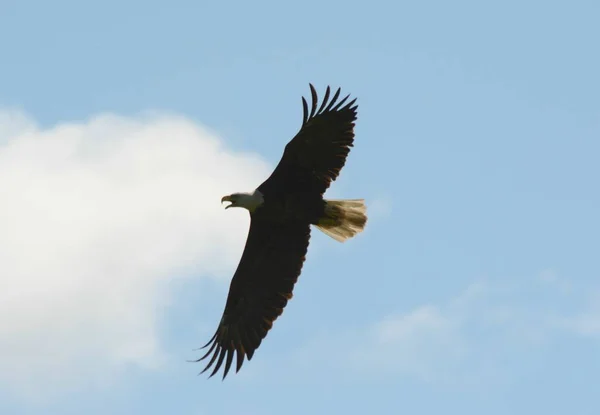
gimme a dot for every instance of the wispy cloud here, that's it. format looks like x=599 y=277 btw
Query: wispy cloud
x=584 y=321
x=96 y=219
x=585 y=324
x=479 y=335
x=415 y=343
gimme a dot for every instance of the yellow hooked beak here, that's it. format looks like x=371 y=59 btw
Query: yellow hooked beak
x=227 y=199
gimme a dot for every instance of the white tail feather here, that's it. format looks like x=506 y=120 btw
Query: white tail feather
x=343 y=219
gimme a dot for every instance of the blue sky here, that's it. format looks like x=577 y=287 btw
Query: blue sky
x=473 y=290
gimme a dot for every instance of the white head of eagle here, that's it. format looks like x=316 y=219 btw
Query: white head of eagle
x=245 y=200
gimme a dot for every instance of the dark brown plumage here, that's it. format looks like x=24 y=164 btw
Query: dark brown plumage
x=314 y=157
x=279 y=233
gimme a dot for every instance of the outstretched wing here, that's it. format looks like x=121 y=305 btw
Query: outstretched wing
x=315 y=156
x=260 y=289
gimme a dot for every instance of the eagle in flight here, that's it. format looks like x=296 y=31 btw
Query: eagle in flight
x=282 y=209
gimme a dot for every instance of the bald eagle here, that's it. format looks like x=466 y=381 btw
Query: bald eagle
x=281 y=211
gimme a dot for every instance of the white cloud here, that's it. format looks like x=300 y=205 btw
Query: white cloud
x=96 y=219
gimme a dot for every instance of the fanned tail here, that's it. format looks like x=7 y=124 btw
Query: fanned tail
x=343 y=219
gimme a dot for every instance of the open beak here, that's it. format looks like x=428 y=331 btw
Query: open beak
x=227 y=199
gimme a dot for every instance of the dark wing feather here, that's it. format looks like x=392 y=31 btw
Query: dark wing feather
x=260 y=289
x=315 y=156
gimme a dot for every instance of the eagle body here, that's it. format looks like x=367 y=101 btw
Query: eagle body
x=282 y=210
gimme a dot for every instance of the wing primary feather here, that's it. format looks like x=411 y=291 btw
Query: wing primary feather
x=304 y=111
x=350 y=105
x=212 y=360
x=339 y=104
x=327 y=92
x=247 y=343
x=240 y=358
x=332 y=102
x=209 y=351
x=210 y=341
x=255 y=337
x=230 y=352
x=219 y=362
x=315 y=98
